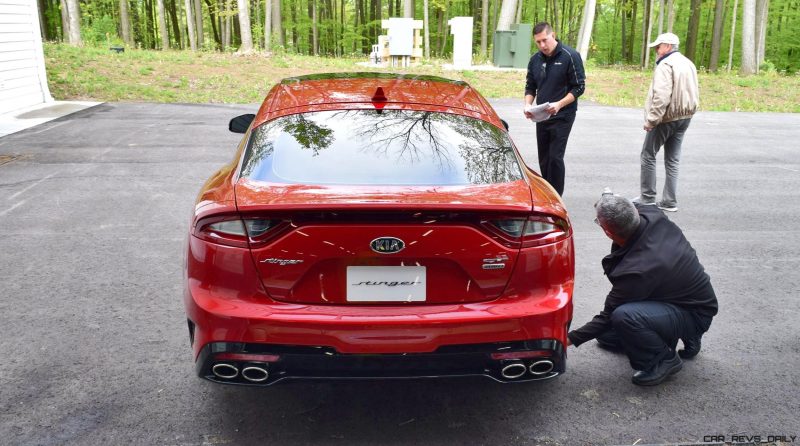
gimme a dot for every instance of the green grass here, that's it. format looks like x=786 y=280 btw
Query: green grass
x=211 y=77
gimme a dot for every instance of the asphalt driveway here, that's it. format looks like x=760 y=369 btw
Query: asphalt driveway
x=94 y=209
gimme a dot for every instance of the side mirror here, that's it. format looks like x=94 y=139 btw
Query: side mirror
x=505 y=124
x=240 y=123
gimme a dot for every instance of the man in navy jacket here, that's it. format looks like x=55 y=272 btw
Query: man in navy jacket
x=660 y=292
x=555 y=75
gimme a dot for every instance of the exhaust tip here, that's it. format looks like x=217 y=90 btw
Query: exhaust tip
x=255 y=374
x=542 y=367
x=513 y=371
x=224 y=370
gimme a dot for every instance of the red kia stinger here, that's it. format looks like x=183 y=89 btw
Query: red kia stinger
x=377 y=225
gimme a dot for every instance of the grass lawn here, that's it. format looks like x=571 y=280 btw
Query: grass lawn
x=212 y=77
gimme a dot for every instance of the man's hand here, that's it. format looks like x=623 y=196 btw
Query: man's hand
x=554 y=107
x=647 y=127
x=568 y=342
x=528 y=115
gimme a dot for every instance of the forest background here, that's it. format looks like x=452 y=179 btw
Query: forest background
x=728 y=40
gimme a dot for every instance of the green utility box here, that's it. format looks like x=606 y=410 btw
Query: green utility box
x=513 y=48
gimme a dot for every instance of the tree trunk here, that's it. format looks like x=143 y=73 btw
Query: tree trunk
x=74 y=15
x=733 y=35
x=506 y=15
x=125 y=23
x=587 y=24
x=214 y=18
x=694 y=27
x=645 y=36
x=277 y=25
x=244 y=27
x=408 y=8
x=173 y=15
x=716 y=39
x=646 y=39
x=162 y=25
x=314 y=31
x=660 y=16
x=762 y=7
x=64 y=21
x=748 y=38
x=268 y=24
x=484 y=26
x=190 y=25
x=518 y=16
x=425 y=28
x=670 y=15
x=198 y=19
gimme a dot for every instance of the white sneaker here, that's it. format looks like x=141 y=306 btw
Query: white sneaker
x=667 y=207
x=640 y=200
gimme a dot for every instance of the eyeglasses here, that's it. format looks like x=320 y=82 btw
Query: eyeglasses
x=596 y=221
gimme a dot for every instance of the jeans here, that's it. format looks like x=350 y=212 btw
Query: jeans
x=551 y=141
x=649 y=331
x=670 y=135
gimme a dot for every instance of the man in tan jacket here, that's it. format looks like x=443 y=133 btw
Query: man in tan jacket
x=671 y=103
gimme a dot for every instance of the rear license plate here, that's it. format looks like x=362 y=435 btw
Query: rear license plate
x=386 y=284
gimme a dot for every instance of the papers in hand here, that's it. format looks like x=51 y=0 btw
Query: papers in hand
x=538 y=112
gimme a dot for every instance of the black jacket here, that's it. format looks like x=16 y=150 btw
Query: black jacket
x=657 y=263
x=551 y=78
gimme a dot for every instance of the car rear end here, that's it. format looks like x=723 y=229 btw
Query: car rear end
x=390 y=241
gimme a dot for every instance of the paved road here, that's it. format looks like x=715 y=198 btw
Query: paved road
x=93 y=212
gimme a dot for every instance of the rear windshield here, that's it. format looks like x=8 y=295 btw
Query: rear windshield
x=388 y=147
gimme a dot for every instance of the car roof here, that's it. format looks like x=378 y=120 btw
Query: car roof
x=375 y=90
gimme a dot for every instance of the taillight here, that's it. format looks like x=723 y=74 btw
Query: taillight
x=232 y=230
x=536 y=230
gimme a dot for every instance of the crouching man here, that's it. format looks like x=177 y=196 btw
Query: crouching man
x=659 y=294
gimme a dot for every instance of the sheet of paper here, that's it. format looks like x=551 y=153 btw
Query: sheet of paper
x=538 y=112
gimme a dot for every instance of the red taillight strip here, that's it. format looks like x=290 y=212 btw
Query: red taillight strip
x=521 y=355
x=254 y=357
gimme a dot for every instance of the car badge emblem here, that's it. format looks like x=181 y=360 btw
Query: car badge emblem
x=387 y=245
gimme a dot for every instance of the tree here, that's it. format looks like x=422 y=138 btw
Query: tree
x=670 y=15
x=748 y=38
x=162 y=25
x=244 y=26
x=277 y=27
x=125 y=23
x=733 y=34
x=408 y=9
x=190 y=25
x=585 y=35
x=762 y=7
x=74 y=20
x=506 y=15
x=198 y=18
x=427 y=31
x=694 y=26
x=268 y=23
x=484 y=26
x=716 y=39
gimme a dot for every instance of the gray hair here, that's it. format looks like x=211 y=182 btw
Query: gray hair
x=617 y=215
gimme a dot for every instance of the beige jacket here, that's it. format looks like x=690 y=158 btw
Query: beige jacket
x=674 y=93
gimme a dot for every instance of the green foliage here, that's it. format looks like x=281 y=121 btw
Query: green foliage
x=101 y=32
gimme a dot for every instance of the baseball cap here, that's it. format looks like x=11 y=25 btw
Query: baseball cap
x=668 y=38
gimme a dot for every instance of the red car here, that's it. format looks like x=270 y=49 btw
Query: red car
x=377 y=226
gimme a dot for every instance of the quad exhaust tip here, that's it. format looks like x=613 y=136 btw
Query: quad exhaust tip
x=255 y=374
x=224 y=370
x=542 y=367
x=513 y=370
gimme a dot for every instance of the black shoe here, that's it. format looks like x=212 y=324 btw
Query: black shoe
x=659 y=372
x=691 y=347
x=610 y=346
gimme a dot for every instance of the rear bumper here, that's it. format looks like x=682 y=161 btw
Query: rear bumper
x=267 y=364
x=316 y=341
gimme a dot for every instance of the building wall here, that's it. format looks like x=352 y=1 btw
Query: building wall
x=23 y=82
